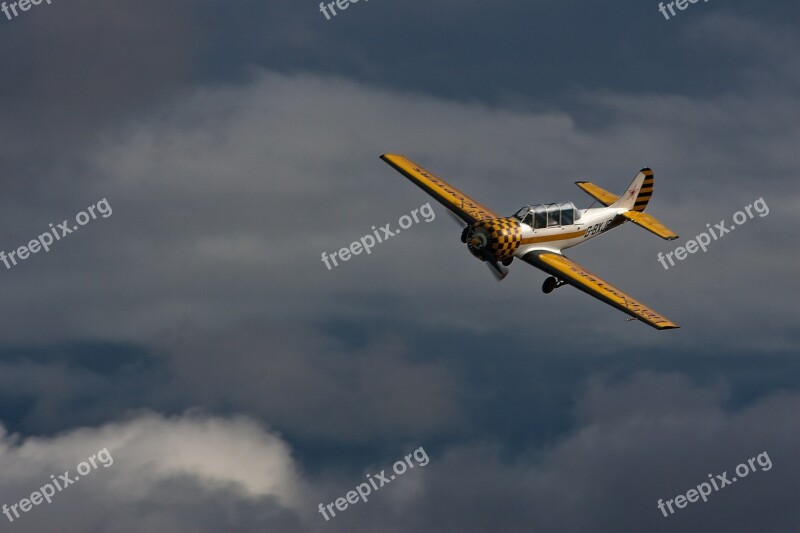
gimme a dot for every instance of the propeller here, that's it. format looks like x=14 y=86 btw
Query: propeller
x=499 y=271
x=478 y=243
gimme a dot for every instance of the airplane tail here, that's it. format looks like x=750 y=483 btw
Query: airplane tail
x=638 y=193
x=634 y=199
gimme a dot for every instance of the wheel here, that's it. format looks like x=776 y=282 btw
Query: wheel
x=549 y=285
x=507 y=262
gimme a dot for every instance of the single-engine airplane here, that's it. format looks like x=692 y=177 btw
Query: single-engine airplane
x=537 y=234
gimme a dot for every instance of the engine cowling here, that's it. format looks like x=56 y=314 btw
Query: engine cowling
x=496 y=238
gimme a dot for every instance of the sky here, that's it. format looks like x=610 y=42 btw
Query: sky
x=188 y=338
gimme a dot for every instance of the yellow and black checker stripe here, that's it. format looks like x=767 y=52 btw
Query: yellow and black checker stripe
x=505 y=236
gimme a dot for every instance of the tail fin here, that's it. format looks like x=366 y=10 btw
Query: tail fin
x=635 y=199
x=638 y=193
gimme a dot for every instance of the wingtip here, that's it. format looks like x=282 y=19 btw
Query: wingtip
x=389 y=159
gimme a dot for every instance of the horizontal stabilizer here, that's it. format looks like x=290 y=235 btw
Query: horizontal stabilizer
x=598 y=193
x=651 y=224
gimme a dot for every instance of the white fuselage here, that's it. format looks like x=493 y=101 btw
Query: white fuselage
x=592 y=223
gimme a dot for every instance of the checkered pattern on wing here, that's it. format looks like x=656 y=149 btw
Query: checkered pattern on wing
x=505 y=235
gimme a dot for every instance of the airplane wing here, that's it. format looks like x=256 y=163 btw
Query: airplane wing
x=651 y=224
x=459 y=203
x=567 y=270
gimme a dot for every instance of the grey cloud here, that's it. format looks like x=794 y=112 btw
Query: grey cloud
x=223 y=205
x=647 y=437
x=311 y=386
x=639 y=441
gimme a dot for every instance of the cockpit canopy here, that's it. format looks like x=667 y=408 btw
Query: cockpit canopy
x=548 y=215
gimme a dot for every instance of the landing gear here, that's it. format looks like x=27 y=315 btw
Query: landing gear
x=551 y=284
x=507 y=262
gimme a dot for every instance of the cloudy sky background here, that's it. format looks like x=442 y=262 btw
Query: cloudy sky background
x=238 y=383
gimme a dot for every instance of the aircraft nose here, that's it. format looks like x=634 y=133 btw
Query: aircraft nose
x=478 y=240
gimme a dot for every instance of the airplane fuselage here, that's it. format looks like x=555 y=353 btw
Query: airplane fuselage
x=592 y=222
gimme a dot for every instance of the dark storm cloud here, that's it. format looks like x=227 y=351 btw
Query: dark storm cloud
x=73 y=68
x=650 y=437
x=78 y=67
x=223 y=205
x=531 y=55
x=647 y=437
x=306 y=383
x=48 y=389
x=220 y=213
x=311 y=388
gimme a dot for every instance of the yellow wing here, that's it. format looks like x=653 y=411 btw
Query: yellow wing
x=571 y=272
x=651 y=224
x=459 y=203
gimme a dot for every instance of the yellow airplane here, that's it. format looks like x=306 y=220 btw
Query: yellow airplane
x=537 y=234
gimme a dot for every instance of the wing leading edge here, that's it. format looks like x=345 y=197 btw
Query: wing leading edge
x=459 y=203
x=598 y=193
x=577 y=276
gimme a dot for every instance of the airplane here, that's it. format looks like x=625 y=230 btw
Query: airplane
x=537 y=234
